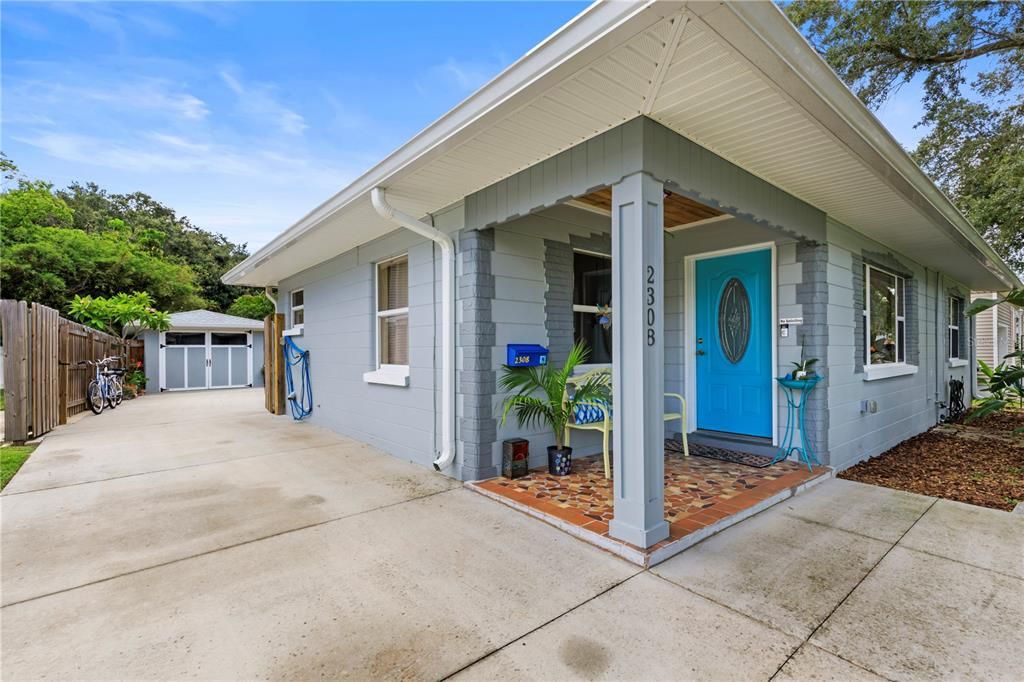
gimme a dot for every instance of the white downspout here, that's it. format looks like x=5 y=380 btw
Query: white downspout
x=270 y=296
x=389 y=212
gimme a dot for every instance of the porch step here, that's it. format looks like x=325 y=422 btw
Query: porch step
x=735 y=442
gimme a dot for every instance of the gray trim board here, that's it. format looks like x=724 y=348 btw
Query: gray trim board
x=643 y=145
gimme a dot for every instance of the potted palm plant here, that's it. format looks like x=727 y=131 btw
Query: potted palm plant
x=539 y=398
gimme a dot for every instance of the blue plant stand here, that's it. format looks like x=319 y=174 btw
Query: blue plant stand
x=797 y=392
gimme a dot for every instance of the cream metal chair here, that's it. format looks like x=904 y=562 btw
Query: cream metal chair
x=605 y=425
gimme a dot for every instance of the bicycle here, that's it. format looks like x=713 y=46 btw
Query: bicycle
x=106 y=389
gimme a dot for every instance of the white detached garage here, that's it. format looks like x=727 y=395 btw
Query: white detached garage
x=203 y=350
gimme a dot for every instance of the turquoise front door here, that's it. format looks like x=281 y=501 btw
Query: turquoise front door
x=733 y=343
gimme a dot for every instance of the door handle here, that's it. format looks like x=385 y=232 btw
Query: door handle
x=700 y=352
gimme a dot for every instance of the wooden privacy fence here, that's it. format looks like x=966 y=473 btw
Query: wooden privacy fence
x=273 y=363
x=44 y=383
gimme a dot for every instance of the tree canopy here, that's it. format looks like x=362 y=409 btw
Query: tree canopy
x=253 y=306
x=970 y=56
x=56 y=244
x=123 y=314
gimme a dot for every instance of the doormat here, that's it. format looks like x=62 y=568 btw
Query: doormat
x=712 y=452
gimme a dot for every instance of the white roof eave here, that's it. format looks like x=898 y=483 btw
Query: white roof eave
x=546 y=64
x=776 y=35
x=758 y=30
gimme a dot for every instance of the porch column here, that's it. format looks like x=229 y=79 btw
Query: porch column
x=638 y=368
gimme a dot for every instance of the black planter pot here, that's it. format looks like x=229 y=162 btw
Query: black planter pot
x=559 y=460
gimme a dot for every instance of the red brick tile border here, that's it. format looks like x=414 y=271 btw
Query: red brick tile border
x=702 y=497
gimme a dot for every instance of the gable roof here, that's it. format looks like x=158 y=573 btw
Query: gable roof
x=207 y=319
x=736 y=78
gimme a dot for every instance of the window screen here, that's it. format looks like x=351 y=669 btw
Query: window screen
x=393 y=312
x=185 y=339
x=591 y=304
x=956 y=313
x=225 y=339
x=298 y=308
x=885 y=316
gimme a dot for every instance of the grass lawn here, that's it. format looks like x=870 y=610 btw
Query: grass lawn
x=980 y=462
x=11 y=459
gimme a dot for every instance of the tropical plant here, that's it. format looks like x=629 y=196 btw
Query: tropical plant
x=136 y=377
x=1013 y=297
x=539 y=397
x=806 y=366
x=123 y=314
x=1004 y=382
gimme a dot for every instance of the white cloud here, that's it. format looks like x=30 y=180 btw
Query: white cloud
x=168 y=153
x=258 y=100
x=118 y=22
x=151 y=94
x=245 y=191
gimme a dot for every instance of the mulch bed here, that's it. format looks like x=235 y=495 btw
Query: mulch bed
x=979 y=463
x=1008 y=420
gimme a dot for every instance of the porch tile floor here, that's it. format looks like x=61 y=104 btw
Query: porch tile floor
x=702 y=497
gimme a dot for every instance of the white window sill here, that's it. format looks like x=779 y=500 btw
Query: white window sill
x=957 y=362
x=294 y=331
x=887 y=371
x=388 y=375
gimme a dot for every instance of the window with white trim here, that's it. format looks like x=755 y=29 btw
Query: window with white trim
x=393 y=312
x=885 y=322
x=956 y=315
x=591 y=304
x=298 y=308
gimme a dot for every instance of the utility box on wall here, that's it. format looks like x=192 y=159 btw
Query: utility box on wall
x=526 y=355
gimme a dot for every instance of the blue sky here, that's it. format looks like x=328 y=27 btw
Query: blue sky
x=244 y=116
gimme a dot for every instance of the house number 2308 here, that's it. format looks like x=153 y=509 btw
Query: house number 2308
x=650 y=305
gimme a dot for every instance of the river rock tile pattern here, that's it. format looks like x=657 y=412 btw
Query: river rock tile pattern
x=699 y=492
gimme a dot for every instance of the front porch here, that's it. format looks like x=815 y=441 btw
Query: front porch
x=681 y=275
x=703 y=496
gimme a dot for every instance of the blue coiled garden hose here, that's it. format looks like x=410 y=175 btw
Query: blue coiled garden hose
x=301 y=402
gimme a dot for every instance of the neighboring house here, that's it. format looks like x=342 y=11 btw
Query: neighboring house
x=699 y=170
x=998 y=330
x=202 y=350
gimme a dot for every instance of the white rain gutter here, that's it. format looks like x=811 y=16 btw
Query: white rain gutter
x=389 y=212
x=270 y=296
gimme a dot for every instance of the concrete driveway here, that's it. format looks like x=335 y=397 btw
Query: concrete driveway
x=193 y=535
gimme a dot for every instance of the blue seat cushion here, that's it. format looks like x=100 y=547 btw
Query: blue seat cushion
x=587 y=414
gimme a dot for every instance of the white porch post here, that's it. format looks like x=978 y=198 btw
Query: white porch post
x=638 y=373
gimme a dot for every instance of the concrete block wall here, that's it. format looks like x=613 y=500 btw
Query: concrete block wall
x=812 y=296
x=907 y=405
x=532 y=263
x=340 y=333
x=476 y=373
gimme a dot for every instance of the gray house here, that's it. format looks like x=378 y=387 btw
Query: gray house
x=696 y=169
x=202 y=350
x=998 y=331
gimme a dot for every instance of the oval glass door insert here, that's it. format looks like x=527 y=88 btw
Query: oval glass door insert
x=734 y=320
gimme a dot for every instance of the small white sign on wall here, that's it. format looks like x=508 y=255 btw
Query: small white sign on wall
x=791 y=320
